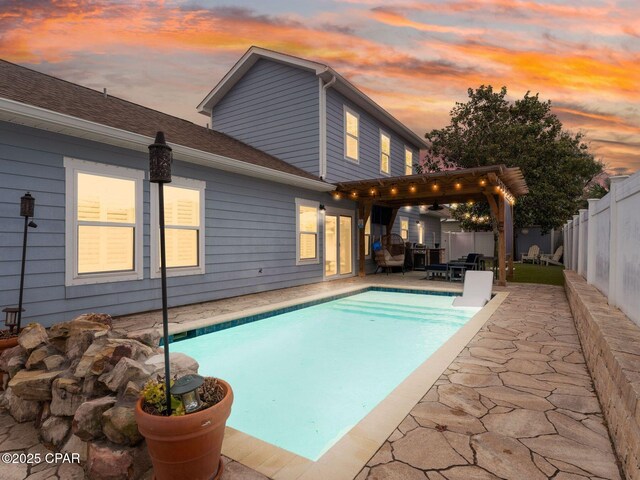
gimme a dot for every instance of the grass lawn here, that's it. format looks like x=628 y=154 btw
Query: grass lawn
x=529 y=273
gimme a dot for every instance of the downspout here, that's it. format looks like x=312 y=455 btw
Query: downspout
x=323 y=123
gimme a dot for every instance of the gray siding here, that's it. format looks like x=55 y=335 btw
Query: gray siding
x=275 y=108
x=250 y=224
x=340 y=169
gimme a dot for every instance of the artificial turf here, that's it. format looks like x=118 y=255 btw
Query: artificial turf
x=529 y=273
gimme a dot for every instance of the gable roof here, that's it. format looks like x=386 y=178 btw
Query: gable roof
x=341 y=85
x=35 y=99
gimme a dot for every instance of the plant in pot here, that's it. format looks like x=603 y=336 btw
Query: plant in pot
x=185 y=444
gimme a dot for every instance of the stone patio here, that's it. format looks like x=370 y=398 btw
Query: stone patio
x=517 y=403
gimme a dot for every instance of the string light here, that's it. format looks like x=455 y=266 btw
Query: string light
x=412 y=188
x=336 y=195
x=458 y=185
x=354 y=194
x=435 y=187
x=373 y=191
x=483 y=182
x=454 y=206
x=394 y=190
x=470 y=203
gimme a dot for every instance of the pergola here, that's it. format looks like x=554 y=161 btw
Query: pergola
x=498 y=184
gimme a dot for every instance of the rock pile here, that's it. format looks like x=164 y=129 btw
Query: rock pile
x=79 y=382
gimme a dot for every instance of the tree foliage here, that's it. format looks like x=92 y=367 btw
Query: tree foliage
x=490 y=130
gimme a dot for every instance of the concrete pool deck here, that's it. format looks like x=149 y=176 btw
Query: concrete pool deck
x=516 y=402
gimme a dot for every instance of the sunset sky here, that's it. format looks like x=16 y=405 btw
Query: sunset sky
x=415 y=58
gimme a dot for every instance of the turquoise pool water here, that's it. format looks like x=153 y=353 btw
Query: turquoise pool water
x=302 y=379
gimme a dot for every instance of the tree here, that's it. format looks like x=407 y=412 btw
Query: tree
x=490 y=130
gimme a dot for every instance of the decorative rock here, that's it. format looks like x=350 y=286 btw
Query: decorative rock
x=180 y=364
x=21 y=410
x=76 y=445
x=87 y=422
x=37 y=357
x=119 y=425
x=103 y=355
x=32 y=336
x=33 y=384
x=92 y=387
x=54 y=430
x=148 y=336
x=106 y=462
x=13 y=359
x=505 y=457
x=54 y=361
x=131 y=392
x=125 y=371
x=96 y=351
x=66 y=396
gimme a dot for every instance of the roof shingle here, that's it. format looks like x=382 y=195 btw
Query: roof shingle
x=28 y=86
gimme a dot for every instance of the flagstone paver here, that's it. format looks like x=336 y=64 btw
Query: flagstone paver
x=545 y=422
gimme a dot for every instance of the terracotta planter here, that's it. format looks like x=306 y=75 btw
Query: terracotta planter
x=186 y=447
x=6 y=343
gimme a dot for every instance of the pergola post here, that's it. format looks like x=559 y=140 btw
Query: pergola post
x=392 y=220
x=364 y=212
x=502 y=245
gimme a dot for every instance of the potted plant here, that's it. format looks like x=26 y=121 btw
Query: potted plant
x=186 y=444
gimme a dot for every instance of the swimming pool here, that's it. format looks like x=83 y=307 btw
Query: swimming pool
x=302 y=379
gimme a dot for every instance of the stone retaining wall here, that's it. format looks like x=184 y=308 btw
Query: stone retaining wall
x=611 y=345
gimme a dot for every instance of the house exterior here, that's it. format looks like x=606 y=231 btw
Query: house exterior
x=249 y=209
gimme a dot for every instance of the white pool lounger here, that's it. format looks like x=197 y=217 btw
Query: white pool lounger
x=476 y=291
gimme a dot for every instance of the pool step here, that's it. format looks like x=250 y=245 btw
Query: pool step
x=429 y=317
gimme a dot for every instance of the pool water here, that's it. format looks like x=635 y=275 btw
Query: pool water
x=303 y=379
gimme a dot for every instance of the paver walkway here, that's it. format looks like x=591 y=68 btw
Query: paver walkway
x=517 y=403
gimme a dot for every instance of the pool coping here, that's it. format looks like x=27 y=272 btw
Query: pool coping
x=354 y=449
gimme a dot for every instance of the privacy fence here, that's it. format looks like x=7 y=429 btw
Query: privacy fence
x=602 y=243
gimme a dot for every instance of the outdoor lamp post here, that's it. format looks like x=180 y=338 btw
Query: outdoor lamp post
x=27 y=207
x=160 y=158
x=187 y=388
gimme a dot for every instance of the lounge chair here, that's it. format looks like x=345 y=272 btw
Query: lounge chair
x=552 y=259
x=476 y=291
x=533 y=255
x=472 y=262
x=391 y=253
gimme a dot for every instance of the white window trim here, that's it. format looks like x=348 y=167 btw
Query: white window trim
x=405 y=219
x=73 y=166
x=346 y=109
x=407 y=149
x=154 y=268
x=307 y=203
x=382 y=132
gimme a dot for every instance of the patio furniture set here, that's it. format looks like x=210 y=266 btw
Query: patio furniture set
x=455 y=270
x=534 y=256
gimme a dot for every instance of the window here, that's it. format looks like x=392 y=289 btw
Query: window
x=306 y=231
x=184 y=227
x=367 y=237
x=421 y=232
x=351 y=134
x=385 y=152
x=408 y=161
x=103 y=223
x=404 y=228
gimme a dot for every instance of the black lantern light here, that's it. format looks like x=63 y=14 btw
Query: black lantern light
x=160 y=158
x=27 y=208
x=11 y=317
x=187 y=389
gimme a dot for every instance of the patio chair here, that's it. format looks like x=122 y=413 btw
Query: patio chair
x=476 y=291
x=471 y=262
x=391 y=253
x=552 y=259
x=532 y=255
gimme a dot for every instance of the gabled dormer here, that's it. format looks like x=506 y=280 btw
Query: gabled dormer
x=308 y=115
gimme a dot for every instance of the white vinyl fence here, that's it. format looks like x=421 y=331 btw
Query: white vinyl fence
x=460 y=244
x=603 y=244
